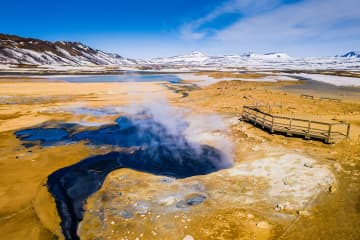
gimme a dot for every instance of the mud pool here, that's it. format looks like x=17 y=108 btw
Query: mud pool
x=146 y=145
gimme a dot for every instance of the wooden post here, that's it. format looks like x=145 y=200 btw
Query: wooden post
x=290 y=126
x=272 y=124
x=348 y=131
x=308 y=131
x=329 y=134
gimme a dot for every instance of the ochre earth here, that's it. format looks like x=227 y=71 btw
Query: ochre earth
x=284 y=199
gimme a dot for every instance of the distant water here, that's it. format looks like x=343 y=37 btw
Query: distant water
x=116 y=78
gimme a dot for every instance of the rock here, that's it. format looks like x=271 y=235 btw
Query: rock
x=263 y=225
x=279 y=207
x=302 y=213
x=191 y=200
x=332 y=189
x=188 y=237
x=308 y=164
x=167 y=180
x=126 y=214
x=167 y=201
x=249 y=215
x=285 y=182
x=142 y=207
x=255 y=148
x=181 y=204
x=195 y=199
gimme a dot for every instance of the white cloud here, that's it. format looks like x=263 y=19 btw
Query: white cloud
x=316 y=25
x=189 y=31
x=305 y=20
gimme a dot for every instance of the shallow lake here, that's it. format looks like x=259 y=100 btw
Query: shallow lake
x=126 y=77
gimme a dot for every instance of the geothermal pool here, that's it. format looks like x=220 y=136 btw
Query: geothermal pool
x=145 y=145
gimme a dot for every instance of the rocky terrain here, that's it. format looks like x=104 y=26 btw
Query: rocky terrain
x=30 y=51
x=278 y=187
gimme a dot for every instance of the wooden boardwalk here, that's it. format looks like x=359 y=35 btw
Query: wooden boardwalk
x=327 y=132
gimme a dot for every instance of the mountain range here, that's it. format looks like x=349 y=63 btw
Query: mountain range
x=15 y=50
x=19 y=50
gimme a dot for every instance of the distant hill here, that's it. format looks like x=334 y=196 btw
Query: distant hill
x=30 y=51
x=352 y=54
x=199 y=58
x=194 y=57
x=269 y=56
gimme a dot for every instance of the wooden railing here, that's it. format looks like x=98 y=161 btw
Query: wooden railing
x=328 y=132
x=321 y=98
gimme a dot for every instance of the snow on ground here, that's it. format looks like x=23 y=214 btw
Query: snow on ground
x=203 y=80
x=334 y=80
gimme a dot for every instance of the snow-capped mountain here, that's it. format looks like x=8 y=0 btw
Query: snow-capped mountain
x=268 y=61
x=19 y=50
x=75 y=56
x=199 y=58
x=352 y=54
x=192 y=58
x=269 y=56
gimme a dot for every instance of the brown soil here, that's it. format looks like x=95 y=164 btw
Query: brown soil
x=27 y=211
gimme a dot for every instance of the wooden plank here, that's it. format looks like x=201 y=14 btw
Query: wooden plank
x=307 y=96
x=331 y=99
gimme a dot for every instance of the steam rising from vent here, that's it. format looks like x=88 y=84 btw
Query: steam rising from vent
x=188 y=129
x=205 y=128
x=152 y=137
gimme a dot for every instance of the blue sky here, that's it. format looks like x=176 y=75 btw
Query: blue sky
x=145 y=29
